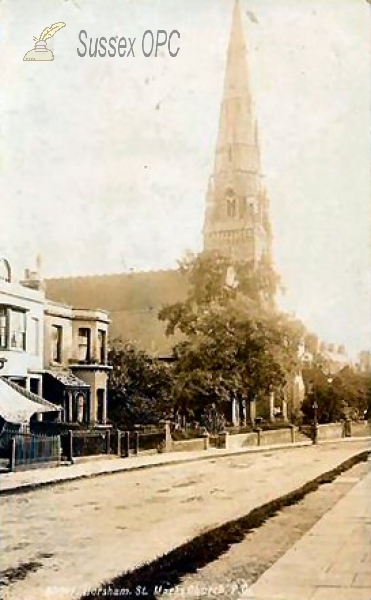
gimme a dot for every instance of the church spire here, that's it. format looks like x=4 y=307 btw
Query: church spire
x=237 y=123
x=234 y=220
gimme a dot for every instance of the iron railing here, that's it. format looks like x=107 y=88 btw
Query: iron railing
x=27 y=449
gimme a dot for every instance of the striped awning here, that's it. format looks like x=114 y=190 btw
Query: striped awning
x=17 y=407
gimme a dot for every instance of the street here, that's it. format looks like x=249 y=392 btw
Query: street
x=58 y=542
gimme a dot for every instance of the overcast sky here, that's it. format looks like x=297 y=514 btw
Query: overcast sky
x=105 y=161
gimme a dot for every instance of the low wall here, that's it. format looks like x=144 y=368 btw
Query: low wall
x=276 y=436
x=330 y=431
x=194 y=445
x=361 y=429
x=255 y=438
x=241 y=440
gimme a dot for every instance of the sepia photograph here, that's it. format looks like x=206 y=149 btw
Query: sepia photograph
x=185 y=299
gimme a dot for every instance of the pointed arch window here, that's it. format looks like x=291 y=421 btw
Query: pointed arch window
x=231 y=207
x=231 y=203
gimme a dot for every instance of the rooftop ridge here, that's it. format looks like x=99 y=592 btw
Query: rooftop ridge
x=107 y=275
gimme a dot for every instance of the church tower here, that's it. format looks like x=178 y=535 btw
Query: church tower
x=237 y=212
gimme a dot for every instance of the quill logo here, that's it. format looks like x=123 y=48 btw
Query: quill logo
x=40 y=51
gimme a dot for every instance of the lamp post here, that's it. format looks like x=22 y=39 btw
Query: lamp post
x=315 y=422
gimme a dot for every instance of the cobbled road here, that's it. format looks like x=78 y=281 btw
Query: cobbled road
x=58 y=542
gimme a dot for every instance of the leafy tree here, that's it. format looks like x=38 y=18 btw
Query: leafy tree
x=330 y=407
x=354 y=388
x=235 y=343
x=214 y=283
x=347 y=394
x=138 y=388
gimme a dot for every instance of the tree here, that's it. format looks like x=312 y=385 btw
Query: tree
x=236 y=344
x=354 y=388
x=320 y=390
x=346 y=394
x=215 y=282
x=138 y=388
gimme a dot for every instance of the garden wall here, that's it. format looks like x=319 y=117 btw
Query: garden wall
x=241 y=440
x=330 y=431
x=255 y=438
x=361 y=429
x=194 y=445
x=277 y=436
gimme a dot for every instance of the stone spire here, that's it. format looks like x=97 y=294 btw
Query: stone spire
x=236 y=204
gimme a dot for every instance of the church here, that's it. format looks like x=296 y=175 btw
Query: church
x=236 y=220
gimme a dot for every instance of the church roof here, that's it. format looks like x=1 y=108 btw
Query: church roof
x=133 y=301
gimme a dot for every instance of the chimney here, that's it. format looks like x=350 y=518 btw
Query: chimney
x=33 y=279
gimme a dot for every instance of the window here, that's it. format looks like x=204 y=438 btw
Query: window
x=100 y=405
x=3 y=327
x=57 y=333
x=35 y=333
x=84 y=345
x=102 y=346
x=12 y=328
x=231 y=203
x=35 y=385
x=17 y=329
x=231 y=207
x=80 y=408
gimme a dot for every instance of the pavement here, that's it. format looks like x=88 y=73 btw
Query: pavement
x=332 y=561
x=27 y=480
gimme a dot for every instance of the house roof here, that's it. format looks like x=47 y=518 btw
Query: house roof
x=17 y=405
x=133 y=301
x=68 y=379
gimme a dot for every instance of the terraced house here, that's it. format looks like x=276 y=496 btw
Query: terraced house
x=53 y=357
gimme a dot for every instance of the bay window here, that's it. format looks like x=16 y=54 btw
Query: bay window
x=57 y=333
x=17 y=329
x=102 y=346
x=84 y=345
x=12 y=328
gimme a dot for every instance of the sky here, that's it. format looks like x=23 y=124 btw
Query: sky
x=104 y=162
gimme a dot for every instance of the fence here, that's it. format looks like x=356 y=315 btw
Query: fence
x=134 y=442
x=27 y=450
x=6 y=437
x=76 y=444
x=150 y=440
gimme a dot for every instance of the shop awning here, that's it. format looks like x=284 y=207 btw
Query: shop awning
x=18 y=405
